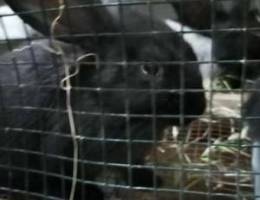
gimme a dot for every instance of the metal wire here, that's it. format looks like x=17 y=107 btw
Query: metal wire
x=118 y=150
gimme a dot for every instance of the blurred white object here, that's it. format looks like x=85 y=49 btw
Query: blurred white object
x=12 y=27
x=256 y=168
x=202 y=47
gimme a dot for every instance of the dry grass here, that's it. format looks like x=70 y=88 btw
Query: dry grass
x=210 y=156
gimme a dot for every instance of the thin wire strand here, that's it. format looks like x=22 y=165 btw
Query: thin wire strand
x=65 y=84
x=67 y=89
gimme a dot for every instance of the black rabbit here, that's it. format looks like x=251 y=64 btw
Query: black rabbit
x=120 y=107
x=251 y=111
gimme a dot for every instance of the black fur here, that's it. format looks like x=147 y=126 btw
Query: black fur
x=224 y=14
x=107 y=119
x=230 y=43
x=33 y=114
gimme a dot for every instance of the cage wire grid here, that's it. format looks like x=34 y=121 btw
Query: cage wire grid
x=125 y=149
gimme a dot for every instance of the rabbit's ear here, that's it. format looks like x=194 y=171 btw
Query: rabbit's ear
x=79 y=17
x=196 y=14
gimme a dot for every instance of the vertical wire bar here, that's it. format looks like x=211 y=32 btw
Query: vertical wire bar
x=102 y=115
x=213 y=30
x=151 y=6
x=3 y=126
x=126 y=98
x=103 y=120
x=182 y=99
x=44 y=13
x=245 y=9
x=28 y=40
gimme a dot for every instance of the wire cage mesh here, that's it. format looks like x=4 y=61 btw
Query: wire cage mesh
x=140 y=99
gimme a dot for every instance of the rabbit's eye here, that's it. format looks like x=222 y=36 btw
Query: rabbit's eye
x=151 y=69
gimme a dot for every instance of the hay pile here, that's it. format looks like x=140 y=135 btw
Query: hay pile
x=210 y=156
